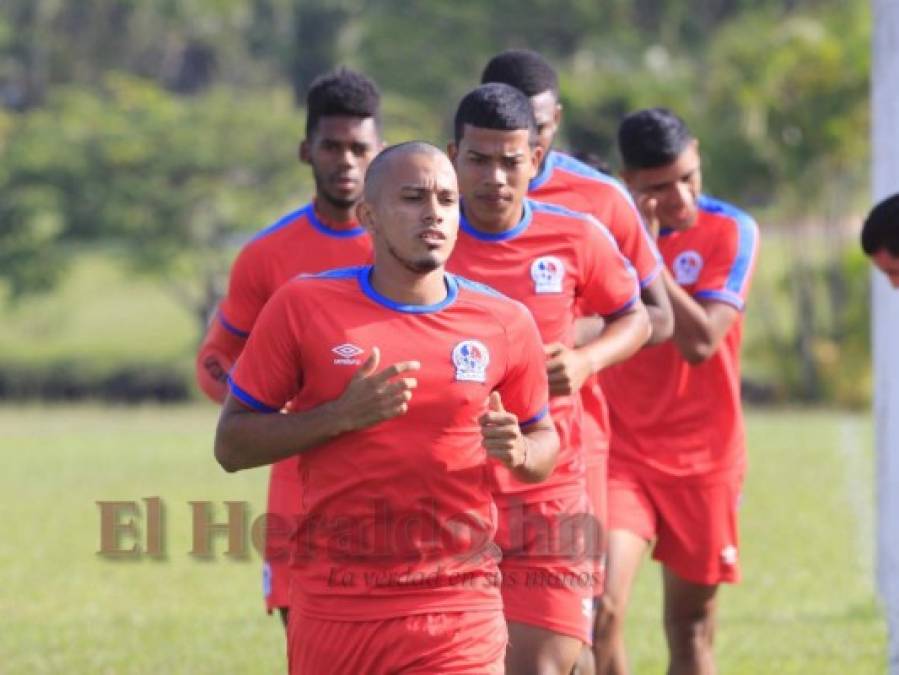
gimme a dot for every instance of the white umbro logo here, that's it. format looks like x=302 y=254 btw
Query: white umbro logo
x=347 y=353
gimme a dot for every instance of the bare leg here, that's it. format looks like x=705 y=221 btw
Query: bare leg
x=689 y=625
x=538 y=651
x=625 y=552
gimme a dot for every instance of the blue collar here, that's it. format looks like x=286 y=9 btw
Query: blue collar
x=330 y=231
x=452 y=292
x=527 y=215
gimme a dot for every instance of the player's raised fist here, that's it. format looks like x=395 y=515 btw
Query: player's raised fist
x=501 y=435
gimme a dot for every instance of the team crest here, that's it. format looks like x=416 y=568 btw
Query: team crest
x=687 y=267
x=471 y=359
x=547 y=273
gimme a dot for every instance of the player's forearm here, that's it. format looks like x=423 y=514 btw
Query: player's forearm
x=245 y=438
x=658 y=307
x=215 y=358
x=693 y=331
x=621 y=338
x=542 y=443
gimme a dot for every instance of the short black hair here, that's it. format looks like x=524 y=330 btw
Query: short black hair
x=495 y=106
x=648 y=139
x=341 y=92
x=881 y=228
x=523 y=69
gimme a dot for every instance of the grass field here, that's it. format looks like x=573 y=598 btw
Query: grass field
x=807 y=603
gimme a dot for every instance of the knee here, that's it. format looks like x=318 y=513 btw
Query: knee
x=609 y=616
x=691 y=633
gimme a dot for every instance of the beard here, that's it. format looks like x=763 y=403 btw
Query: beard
x=321 y=192
x=421 y=265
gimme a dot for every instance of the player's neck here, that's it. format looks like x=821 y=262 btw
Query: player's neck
x=335 y=217
x=405 y=287
x=494 y=225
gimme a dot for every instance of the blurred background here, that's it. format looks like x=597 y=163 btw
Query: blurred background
x=143 y=141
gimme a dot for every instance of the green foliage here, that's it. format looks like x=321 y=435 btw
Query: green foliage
x=167 y=179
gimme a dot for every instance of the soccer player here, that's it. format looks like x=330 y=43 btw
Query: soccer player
x=398 y=570
x=880 y=238
x=550 y=259
x=678 y=451
x=342 y=137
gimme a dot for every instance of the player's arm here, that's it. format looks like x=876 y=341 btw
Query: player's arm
x=216 y=356
x=620 y=337
x=658 y=308
x=699 y=326
x=529 y=452
x=246 y=437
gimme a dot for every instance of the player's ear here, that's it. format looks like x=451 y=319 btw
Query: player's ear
x=536 y=159
x=364 y=215
x=303 y=153
x=452 y=151
x=557 y=115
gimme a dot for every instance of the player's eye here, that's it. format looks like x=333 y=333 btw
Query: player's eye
x=360 y=150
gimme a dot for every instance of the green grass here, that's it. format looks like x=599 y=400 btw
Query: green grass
x=100 y=315
x=806 y=604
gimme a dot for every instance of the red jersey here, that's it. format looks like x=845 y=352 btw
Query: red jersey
x=552 y=260
x=676 y=420
x=566 y=181
x=397 y=518
x=300 y=242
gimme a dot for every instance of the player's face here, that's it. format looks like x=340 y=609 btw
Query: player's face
x=494 y=168
x=675 y=188
x=339 y=151
x=414 y=217
x=888 y=264
x=548 y=115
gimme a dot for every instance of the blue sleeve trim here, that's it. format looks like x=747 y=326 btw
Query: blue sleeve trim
x=543 y=412
x=722 y=296
x=652 y=276
x=248 y=400
x=231 y=328
x=624 y=308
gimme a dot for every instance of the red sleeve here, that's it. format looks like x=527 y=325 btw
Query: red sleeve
x=633 y=240
x=246 y=296
x=269 y=371
x=217 y=354
x=607 y=284
x=727 y=271
x=524 y=389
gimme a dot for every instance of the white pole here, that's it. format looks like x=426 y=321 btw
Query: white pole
x=885 y=315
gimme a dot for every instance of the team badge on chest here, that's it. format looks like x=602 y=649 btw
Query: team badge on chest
x=686 y=267
x=547 y=273
x=471 y=359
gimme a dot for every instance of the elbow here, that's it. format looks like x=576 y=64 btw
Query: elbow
x=211 y=378
x=225 y=455
x=698 y=353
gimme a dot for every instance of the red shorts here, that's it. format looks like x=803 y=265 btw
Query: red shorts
x=280 y=527
x=550 y=551
x=597 y=492
x=453 y=642
x=694 y=526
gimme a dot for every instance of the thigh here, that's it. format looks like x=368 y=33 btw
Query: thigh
x=549 y=566
x=533 y=649
x=698 y=534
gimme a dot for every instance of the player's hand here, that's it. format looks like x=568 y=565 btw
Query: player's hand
x=566 y=368
x=501 y=435
x=372 y=397
x=648 y=207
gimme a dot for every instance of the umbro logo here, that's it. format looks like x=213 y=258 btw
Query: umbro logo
x=347 y=354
